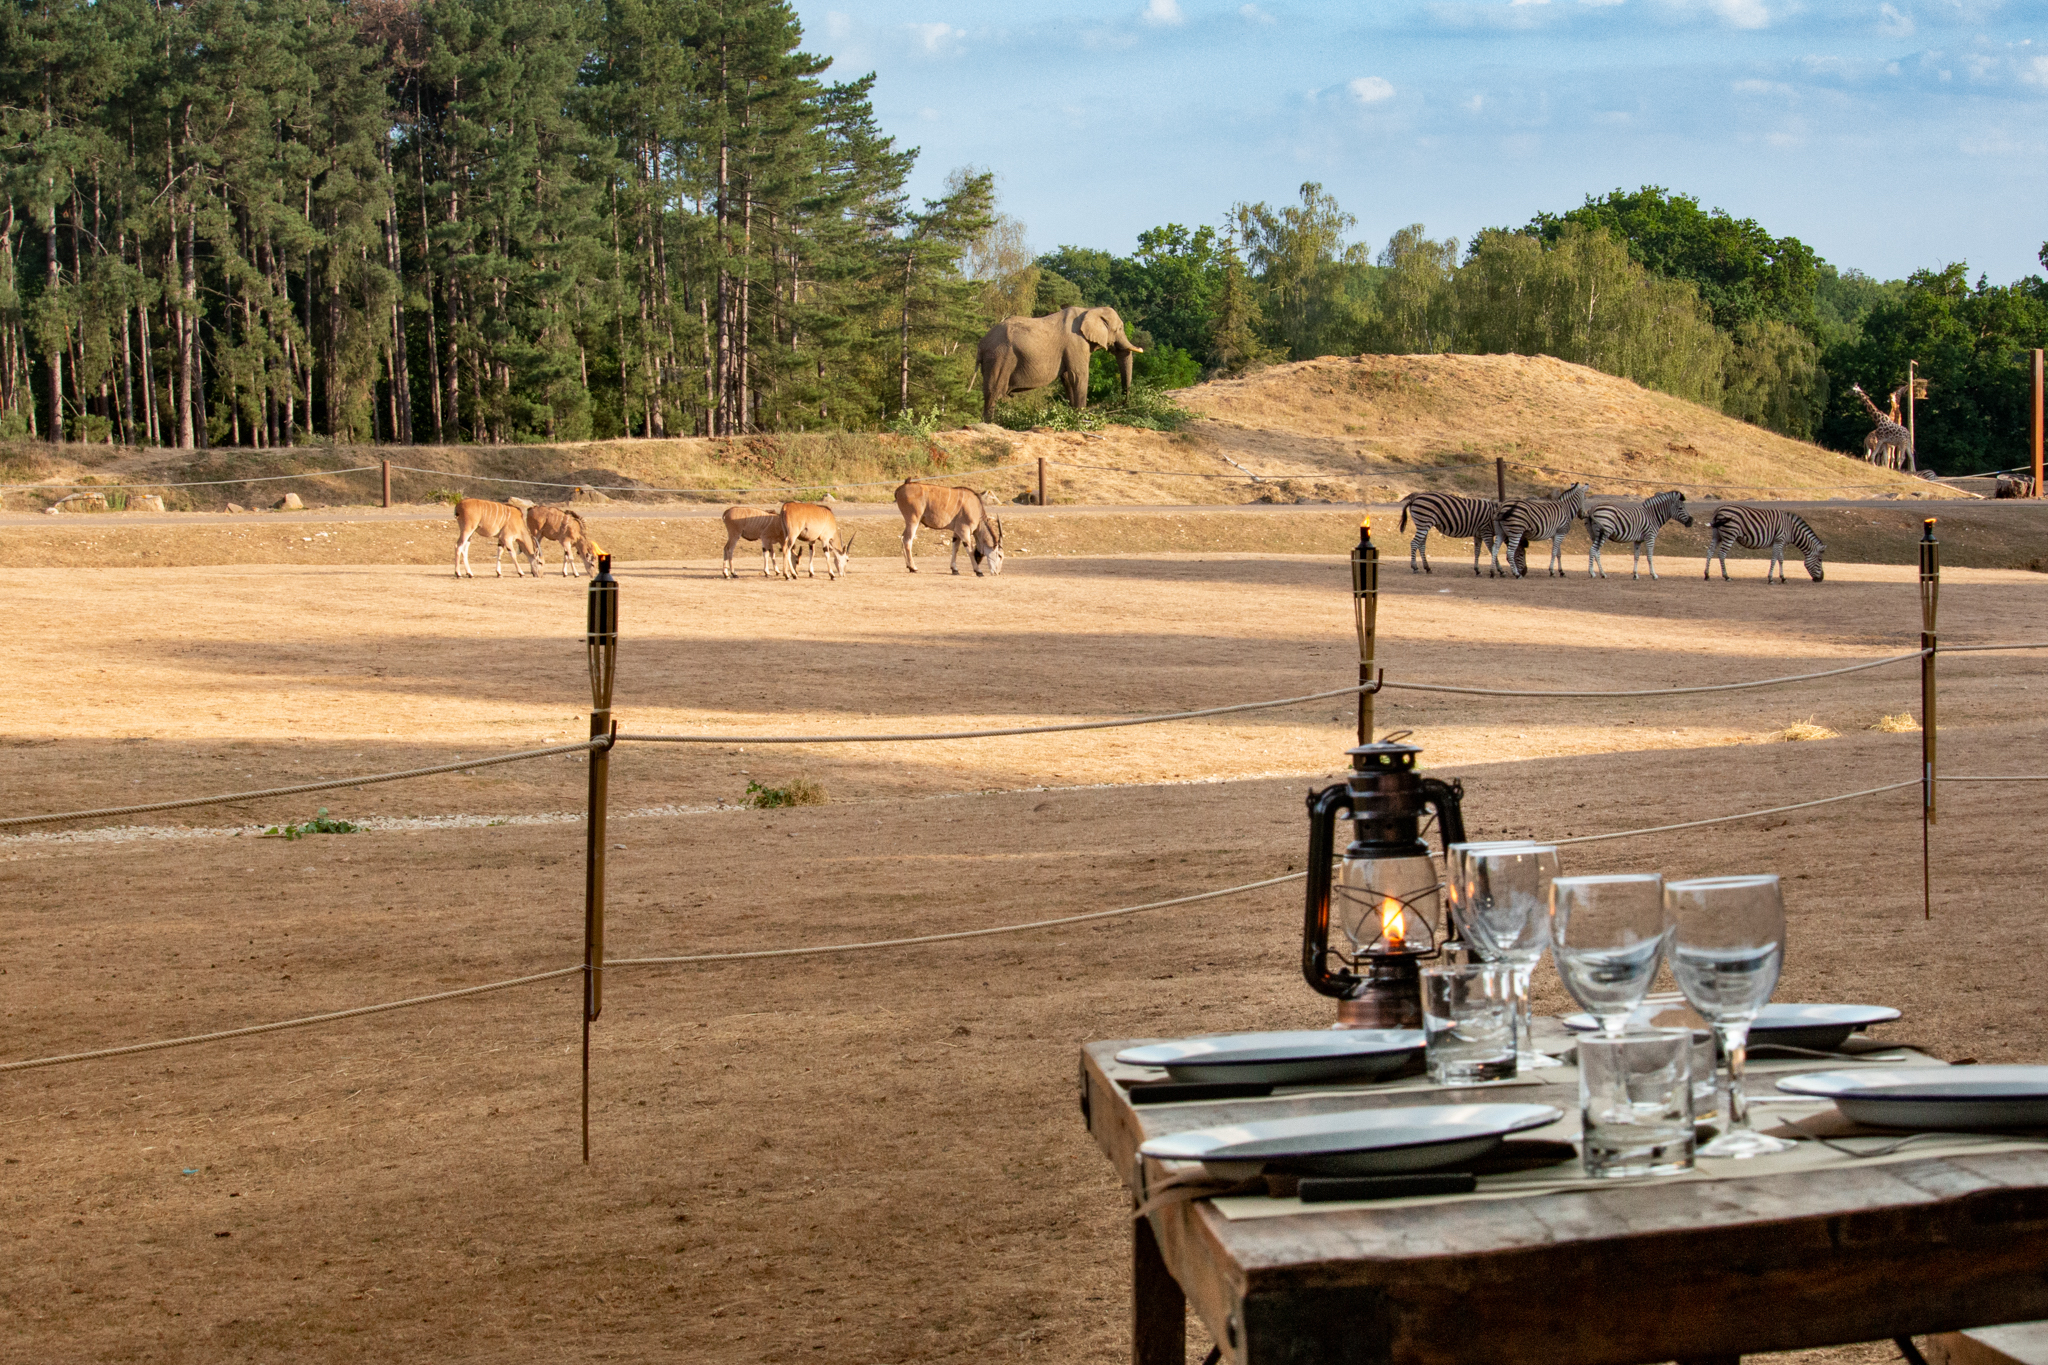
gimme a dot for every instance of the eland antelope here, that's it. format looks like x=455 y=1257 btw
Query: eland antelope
x=495 y=521
x=957 y=511
x=752 y=523
x=811 y=524
x=563 y=526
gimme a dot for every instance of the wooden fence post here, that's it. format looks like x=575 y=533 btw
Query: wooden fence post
x=2037 y=446
x=387 y=483
x=2037 y=422
x=1500 y=477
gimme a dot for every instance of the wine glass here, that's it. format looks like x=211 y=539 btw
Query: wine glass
x=1728 y=945
x=1606 y=935
x=1500 y=902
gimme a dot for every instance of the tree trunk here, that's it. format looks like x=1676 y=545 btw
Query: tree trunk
x=55 y=275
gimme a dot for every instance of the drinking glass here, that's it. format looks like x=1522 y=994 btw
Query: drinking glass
x=1636 y=1103
x=1607 y=934
x=1728 y=943
x=1500 y=901
x=1468 y=1021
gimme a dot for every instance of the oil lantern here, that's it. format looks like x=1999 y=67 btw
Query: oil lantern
x=1370 y=925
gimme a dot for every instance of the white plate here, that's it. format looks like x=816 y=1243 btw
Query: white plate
x=1811 y=1026
x=1282 y=1058
x=1933 y=1096
x=1354 y=1142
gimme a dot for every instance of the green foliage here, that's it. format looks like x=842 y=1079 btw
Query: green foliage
x=1773 y=378
x=1417 y=310
x=1314 y=288
x=1161 y=366
x=1971 y=343
x=800 y=792
x=911 y=422
x=319 y=824
x=1145 y=407
x=1741 y=272
x=1584 y=300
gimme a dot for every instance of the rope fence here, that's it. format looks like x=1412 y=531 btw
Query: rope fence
x=189 y=483
x=875 y=945
x=744 y=488
x=331 y=784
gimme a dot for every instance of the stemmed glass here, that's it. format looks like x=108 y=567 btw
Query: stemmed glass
x=1500 y=901
x=1607 y=934
x=1728 y=945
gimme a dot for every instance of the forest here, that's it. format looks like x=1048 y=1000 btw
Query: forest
x=477 y=220
x=290 y=221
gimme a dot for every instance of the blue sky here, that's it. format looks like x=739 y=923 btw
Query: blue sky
x=1887 y=136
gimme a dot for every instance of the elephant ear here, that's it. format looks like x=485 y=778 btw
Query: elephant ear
x=1095 y=328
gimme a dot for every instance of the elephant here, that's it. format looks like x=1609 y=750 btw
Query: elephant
x=1020 y=354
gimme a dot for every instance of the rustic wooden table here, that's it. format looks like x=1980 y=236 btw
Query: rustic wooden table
x=1691 y=1271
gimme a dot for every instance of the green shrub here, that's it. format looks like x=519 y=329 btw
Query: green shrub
x=801 y=792
x=319 y=824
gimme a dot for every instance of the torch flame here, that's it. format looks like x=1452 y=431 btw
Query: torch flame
x=1393 y=924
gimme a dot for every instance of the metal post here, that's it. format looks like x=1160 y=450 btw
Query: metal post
x=387 y=483
x=1500 y=478
x=1365 y=608
x=2037 y=422
x=1041 y=479
x=1912 y=431
x=602 y=640
x=1930 y=603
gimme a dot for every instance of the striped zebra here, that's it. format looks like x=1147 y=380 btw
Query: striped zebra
x=1451 y=514
x=1753 y=528
x=1527 y=519
x=1635 y=524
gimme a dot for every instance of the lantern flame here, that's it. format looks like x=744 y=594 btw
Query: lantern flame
x=1393 y=924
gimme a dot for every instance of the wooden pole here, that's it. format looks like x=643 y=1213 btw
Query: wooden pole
x=1365 y=603
x=1930 y=604
x=387 y=483
x=2037 y=422
x=1041 y=479
x=1912 y=430
x=1500 y=478
x=602 y=641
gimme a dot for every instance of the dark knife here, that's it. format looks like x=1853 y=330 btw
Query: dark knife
x=1178 y=1092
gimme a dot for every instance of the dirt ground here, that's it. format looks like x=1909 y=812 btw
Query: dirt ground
x=867 y=1158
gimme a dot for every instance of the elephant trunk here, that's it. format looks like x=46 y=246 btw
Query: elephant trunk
x=1124 y=364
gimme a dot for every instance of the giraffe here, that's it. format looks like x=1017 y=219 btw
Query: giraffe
x=1890 y=443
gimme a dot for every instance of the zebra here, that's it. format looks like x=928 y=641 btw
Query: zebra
x=1637 y=524
x=1451 y=514
x=1753 y=528
x=1527 y=519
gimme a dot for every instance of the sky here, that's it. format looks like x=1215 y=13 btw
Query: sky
x=1889 y=136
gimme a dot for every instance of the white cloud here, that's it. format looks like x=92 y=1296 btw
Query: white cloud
x=936 y=38
x=1370 y=89
x=1742 y=13
x=1513 y=3
x=838 y=27
x=1599 y=4
x=2035 y=72
x=1165 y=13
x=1892 y=23
x=1476 y=103
x=1252 y=14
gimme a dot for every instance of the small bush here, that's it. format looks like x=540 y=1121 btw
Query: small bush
x=319 y=824
x=801 y=792
x=446 y=495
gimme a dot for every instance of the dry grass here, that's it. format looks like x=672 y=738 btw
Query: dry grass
x=1339 y=429
x=1802 y=730
x=1900 y=724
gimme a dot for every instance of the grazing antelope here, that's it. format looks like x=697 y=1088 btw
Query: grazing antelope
x=957 y=511
x=811 y=524
x=495 y=521
x=752 y=523
x=564 y=526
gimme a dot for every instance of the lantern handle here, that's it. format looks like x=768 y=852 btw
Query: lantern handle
x=1444 y=798
x=1315 y=932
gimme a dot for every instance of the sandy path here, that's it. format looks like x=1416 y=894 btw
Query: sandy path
x=872 y=1158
